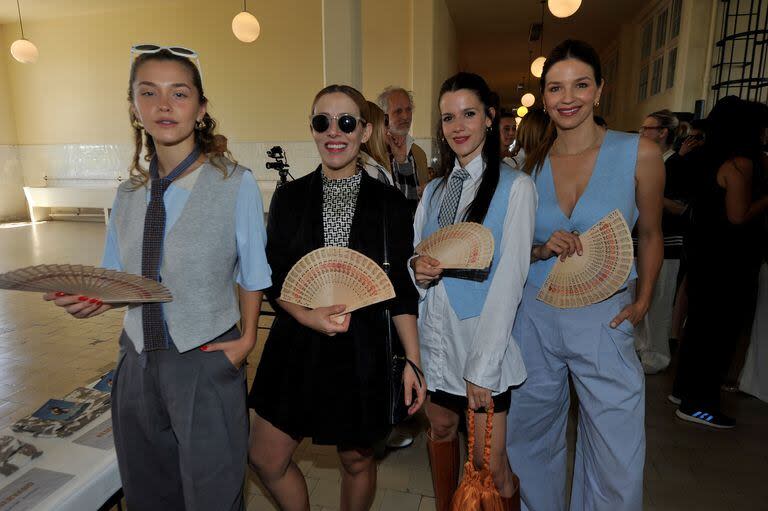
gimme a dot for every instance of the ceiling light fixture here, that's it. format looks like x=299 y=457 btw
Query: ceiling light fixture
x=23 y=49
x=245 y=26
x=563 y=8
x=522 y=111
x=528 y=99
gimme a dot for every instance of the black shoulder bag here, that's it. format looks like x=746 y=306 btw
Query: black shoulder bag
x=395 y=353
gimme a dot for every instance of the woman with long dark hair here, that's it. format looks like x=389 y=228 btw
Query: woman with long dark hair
x=723 y=249
x=583 y=172
x=318 y=378
x=195 y=219
x=470 y=356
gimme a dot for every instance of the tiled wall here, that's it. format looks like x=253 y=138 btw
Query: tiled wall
x=12 y=203
x=106 y=164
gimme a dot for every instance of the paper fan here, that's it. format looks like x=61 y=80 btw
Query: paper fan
x=336 y=275
x=465 y=246
x=109 y=286
x=598 y=273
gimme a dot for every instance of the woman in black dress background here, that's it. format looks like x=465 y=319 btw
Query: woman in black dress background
x=317 y=378
x=723 y=248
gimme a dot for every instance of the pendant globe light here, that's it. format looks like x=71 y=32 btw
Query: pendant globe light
x=245 y=26
x=23 y=49
x=522 y=111
x=563 y=8
x=528 y=100
x=537 y=66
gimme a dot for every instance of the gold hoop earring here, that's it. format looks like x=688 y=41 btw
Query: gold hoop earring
x=200 y=125
x=597 y=103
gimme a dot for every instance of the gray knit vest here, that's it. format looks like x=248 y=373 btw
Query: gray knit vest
x=199 y=263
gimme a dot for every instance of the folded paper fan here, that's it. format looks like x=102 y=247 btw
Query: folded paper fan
x=598 y=273
x=109 y=286
x=336 y=276
x=465 y=250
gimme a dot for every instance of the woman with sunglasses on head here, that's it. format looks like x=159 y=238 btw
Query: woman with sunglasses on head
x=193 y=220
x=470 y=356
x=319 y=378
x=582 y=173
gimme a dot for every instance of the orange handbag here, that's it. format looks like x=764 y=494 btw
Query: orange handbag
x=477 y=492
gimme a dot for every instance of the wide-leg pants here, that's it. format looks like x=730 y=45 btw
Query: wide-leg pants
x=181 y=429
x=609 y=382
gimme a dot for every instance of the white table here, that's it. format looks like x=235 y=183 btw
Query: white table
x=95 y=470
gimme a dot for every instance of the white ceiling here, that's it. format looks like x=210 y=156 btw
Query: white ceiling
x=493 y=35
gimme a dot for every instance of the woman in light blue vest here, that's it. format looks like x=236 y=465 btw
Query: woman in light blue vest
x=582 y=173
x=469 y=354
x=193 y=220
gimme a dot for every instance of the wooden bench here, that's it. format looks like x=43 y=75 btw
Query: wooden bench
x=41 y=199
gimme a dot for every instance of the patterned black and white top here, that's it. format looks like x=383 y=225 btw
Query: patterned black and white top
x=339 y=201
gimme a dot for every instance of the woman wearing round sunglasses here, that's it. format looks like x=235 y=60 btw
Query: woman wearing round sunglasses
x=193 y=220
x=470 y=356
x=318 y=378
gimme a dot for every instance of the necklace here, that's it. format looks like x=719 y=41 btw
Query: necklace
x=592 y=145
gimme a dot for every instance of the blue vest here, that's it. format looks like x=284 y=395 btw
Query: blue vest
x=468 y=297
x=612 y=186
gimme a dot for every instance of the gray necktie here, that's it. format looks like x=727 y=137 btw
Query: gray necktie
x=450 y=203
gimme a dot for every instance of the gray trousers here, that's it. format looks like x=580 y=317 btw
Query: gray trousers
x=181 y=429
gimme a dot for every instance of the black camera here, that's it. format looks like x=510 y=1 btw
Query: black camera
x=280 y=164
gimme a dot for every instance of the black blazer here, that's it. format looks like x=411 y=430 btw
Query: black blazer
x=333 y=389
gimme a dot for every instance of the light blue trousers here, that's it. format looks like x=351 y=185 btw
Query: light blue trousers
x=610 y=384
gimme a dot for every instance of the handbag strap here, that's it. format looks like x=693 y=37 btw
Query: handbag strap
x=471 y=435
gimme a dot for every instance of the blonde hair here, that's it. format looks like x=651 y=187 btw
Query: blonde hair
x=671 y=123
x=530 y=133
x=205 y=137
x=376 y=147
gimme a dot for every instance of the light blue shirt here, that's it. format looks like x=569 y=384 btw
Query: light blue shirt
x=254 y=273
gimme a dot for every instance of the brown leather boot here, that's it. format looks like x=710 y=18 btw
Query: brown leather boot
x=444 y=461
x=513 y=503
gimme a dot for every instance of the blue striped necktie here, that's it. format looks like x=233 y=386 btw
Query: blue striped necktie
x=152 y=320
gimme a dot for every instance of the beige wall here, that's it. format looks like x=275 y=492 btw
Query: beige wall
x=693 y=41
x=12 y=205
x=410 y=43
x=387 y=45
x=75 y=93
x=65 y=118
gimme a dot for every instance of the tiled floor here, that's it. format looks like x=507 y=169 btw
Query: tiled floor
x=44 y=353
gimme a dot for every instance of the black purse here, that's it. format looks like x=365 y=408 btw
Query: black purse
x=397 y=411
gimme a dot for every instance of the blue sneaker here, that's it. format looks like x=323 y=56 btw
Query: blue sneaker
x=712 y=419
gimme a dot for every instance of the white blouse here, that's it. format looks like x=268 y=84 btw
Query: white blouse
x=480 y=350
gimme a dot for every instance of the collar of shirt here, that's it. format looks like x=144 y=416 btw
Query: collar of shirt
x=469 y=190
x=475 y=168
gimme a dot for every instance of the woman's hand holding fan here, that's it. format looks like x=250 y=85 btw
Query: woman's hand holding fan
x=332 y=282
x=600 y=269
x=425 y=269
x=80 y=307
x=463 y=251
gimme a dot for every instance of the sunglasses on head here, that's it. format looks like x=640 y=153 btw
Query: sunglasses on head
x=346 y=122
x=179 y=51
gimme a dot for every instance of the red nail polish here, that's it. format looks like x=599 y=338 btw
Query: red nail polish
x=99 y=303
x=82 y=298
x=60 y=294
x=203 y=348
x=93 y=300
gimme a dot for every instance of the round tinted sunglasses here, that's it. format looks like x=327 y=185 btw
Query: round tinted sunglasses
x=346 y=122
